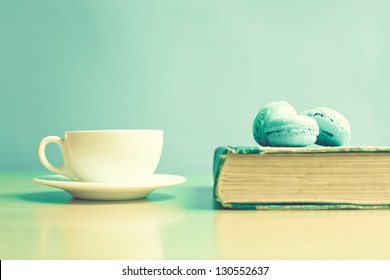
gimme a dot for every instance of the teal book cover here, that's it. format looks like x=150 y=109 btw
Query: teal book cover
x=222 y=175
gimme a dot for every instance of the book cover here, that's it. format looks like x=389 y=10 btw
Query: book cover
x=222 y=153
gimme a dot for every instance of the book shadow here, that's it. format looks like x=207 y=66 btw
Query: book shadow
x=198 y=198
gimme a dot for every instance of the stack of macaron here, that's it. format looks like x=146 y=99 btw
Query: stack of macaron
x=278 y=124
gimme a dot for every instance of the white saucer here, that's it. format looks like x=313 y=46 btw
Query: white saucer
x=110 y=191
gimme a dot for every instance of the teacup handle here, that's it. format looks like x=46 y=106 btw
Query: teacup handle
x=64 y=169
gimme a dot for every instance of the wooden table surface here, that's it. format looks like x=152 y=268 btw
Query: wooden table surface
x=179 y=222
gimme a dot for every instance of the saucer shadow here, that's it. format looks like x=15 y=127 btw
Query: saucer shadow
x=54 y=197
x=60 y=197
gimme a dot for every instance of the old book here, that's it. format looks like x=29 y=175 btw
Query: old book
x=302 y=178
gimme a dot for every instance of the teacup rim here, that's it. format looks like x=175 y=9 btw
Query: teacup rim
x=112 y=131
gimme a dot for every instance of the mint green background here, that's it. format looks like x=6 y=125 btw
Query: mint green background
x=200 y=70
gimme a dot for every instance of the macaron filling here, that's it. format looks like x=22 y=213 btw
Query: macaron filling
x=292 y=131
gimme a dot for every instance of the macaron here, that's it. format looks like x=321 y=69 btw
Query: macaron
x=335 y=129
x=292 y=131
x=266 y=113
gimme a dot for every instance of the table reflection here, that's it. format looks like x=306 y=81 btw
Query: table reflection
x=302 y=234
x=81 y=229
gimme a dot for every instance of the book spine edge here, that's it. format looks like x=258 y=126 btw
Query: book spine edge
x=219 y=160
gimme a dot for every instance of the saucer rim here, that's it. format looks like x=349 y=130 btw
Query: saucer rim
x=107 y=191
x=49 y=180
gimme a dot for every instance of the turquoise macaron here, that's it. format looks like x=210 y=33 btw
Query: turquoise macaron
x=266 y=113
x=292 y=131
x=335 y=129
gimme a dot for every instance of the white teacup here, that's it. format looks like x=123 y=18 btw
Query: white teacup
x=106 y=155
